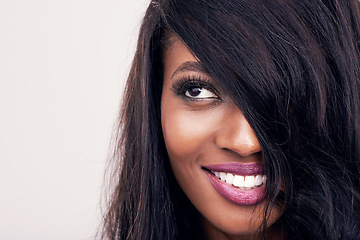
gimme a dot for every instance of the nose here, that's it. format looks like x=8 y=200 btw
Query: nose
x=236 y=134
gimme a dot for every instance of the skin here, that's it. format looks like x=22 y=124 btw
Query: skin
x=212 y=130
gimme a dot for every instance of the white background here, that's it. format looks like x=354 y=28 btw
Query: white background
x=63 y=64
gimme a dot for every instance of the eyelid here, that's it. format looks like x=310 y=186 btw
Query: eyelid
x=202 y=91
x=181 y=85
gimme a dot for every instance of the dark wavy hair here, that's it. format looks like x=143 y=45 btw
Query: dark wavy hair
x=293 y=68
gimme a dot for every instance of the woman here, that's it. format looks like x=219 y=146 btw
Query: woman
x=241 y=120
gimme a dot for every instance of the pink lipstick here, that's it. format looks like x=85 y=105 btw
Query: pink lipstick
x=244 y=169
x=239 y=183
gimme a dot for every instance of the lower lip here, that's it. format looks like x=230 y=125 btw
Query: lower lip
x=237 y=195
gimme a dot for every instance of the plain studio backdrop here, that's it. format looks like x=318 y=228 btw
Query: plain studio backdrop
x=63 y=64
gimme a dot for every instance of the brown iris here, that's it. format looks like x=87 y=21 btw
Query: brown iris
x=194 y=92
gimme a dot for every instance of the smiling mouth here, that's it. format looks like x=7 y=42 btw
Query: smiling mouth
x=240 y=183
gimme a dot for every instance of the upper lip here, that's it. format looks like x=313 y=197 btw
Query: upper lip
x=244 y=169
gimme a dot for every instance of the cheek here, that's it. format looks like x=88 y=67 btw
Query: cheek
x=186 y=133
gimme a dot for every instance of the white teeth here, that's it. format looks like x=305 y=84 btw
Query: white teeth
x=223 y=176
x=264 y=179
x=258 y=180
x=243 y=182
x=229 y=178
x=238 y=181
x=249 y=181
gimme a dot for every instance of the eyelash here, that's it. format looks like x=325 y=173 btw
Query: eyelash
x=181 y=86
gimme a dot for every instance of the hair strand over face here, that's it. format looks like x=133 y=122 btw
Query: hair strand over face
x=293 y=68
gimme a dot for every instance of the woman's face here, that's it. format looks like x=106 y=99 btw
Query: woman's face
x=214 y=153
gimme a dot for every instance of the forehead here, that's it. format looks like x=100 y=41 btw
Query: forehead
x=171 y=41
x=175 y=54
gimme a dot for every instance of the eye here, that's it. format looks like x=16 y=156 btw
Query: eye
x=200 y=92
x=195 y=88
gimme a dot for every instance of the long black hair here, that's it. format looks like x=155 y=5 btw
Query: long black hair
x=293 y=68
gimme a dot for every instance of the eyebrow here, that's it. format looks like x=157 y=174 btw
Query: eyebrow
x=189 y=66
